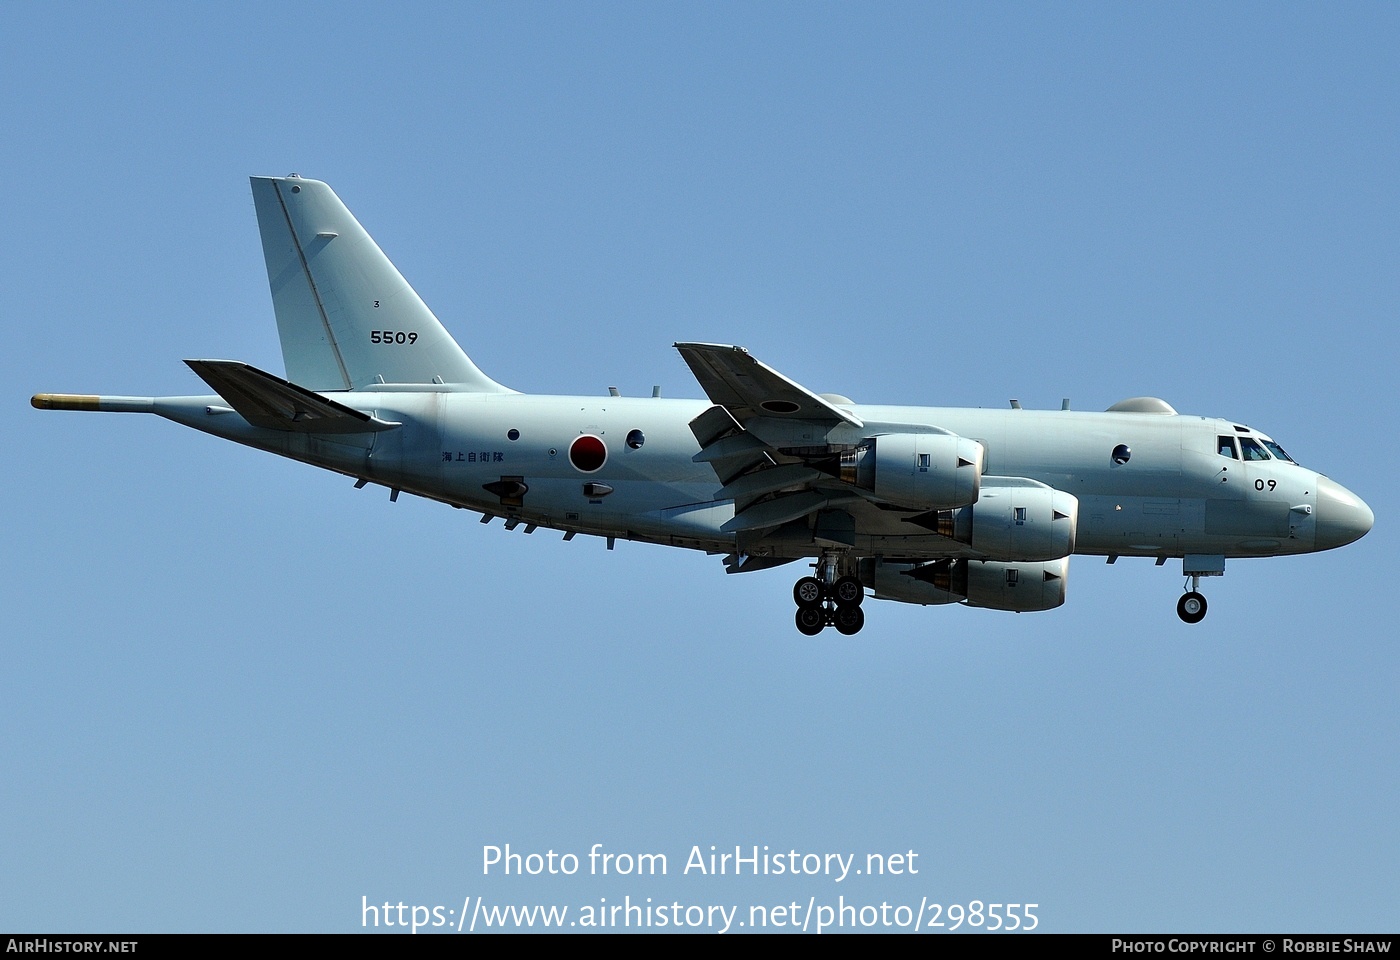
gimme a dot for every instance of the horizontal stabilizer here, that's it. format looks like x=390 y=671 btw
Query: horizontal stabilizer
x=268 y=401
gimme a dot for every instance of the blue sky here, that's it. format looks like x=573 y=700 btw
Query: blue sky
x=240 y=695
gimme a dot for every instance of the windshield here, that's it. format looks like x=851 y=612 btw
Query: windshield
x=1276 y=450
x=1252 y=450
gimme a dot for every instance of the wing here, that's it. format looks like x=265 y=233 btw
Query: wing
x=748 y=388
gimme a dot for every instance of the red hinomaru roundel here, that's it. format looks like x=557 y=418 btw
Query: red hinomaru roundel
x=588 y=453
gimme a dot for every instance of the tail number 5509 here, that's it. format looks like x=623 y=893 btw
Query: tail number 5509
x=392 y=336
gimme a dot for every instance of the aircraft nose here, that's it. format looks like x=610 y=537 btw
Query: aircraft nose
x=1342 y=516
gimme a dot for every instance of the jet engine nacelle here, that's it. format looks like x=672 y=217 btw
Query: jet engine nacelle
x=993 y=584
x=1013 y=519
x=1022 y=587
x=934 y=471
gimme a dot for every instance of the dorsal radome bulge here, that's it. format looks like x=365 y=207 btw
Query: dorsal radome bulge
x=1144 y=405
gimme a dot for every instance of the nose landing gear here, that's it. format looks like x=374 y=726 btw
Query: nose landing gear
x=829 y=601
x=1191 y=608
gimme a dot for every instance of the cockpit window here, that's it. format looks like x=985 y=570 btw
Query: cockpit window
x=1252 y=449
x=1226 y=446
x=1277 y=451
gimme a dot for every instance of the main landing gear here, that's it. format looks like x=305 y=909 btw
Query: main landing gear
x=1192 y=606
x=829 y=601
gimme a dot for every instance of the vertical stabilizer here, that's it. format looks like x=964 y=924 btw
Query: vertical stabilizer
x=347 y=318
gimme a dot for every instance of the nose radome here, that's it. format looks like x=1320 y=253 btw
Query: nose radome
x=1342 y=516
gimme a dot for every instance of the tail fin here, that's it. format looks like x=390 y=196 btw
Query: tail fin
x=347 y=318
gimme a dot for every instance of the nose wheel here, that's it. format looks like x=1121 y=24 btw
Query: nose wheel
x=830 y=602
x=1191 y=608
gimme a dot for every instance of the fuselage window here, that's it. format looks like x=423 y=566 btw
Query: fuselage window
x=1227 y=447
x=1252 y=449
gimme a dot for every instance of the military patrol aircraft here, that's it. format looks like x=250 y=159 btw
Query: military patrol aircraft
x=922 y=505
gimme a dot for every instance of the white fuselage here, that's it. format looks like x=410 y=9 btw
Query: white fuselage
x=1175 y=495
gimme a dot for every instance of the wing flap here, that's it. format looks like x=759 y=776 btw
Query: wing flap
x=739 y=444
x=725 y=446
x=771 y=480
x=780 y=510
x=747 y=562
